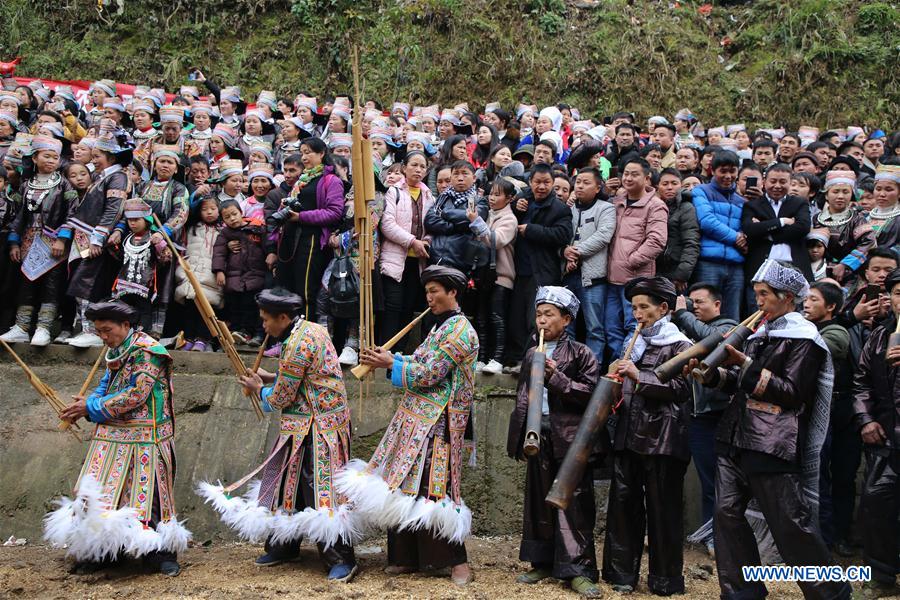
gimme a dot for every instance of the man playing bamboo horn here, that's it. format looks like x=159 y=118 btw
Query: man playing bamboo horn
x=295 y=496
x=125 y=495
x=650 y=450
x=557 y=543
x=412 y=484
x=770 y=437
x=877 y=408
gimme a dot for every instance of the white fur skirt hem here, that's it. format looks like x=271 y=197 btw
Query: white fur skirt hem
x=379 y=506
x=91 y=532
x=256 y=523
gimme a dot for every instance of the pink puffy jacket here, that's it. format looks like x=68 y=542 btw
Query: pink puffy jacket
x=396 y=227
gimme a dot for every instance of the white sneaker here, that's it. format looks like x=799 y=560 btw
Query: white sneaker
x=86 y=340
x=41 y=337
x=349 y=357
x=492 y=368
x=479 y=367
x=16 y=334
x=63 y=337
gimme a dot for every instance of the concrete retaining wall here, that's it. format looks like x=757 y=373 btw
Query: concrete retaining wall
x=218 y=437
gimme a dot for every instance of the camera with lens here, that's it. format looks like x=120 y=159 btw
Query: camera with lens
x=290 y=205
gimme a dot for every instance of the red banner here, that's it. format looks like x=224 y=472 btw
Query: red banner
x=81 y=87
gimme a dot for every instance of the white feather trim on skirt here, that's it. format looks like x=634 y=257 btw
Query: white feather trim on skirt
x=92 y=532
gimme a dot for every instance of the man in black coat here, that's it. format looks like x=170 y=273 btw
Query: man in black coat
x=545 y=228
x=776 y=226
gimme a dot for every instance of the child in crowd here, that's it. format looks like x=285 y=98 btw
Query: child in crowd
x=866 y=189
x=499 y=233
x=239 y=263
x=557 y=543
x=816 y=244
x=137 y=280
x=806 y=186
x=202 y=233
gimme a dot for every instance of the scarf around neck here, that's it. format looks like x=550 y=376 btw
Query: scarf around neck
x=661 y=333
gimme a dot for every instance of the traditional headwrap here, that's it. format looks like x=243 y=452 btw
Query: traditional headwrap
x=45 y=142
x=229 y=167
x=114 y=103
x=432 y=112
x=309 y=103
x=781 y=278
x=656 y=287
x=255 y=112
x=807 y=133
x=451 y=115
x=171 y=114
x=189 y=90
x=833 y=178
x=135 y=208
x=450 y=278
x=560 y=297
x=552 y=113
x=232 y=94
x=598 y=132
x=554 y=137
x=523 y=109
x=261 y=170
x=422 y=138
x=735 y=128
x=268 y=98
x=107 y=86
x=658 y=120
x=382 y=133
x=226 y=133
x=888 y=173
x=686 y=115
x=203 y=106
x=582 y=126
x=339 y=140
x=113 y=310
x=10 y=116
x=491 y=107
x=65 y=91
x=820 y=234
x=54 y=129
x=279 y=301
x=712 y=130
x=170 y=150
x=853 y=131
x=87 y=141
x=401 y=106
x=144 y=104
x=264 y=147
x=158 y=96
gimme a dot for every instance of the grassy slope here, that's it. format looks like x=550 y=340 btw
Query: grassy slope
x=824 y=62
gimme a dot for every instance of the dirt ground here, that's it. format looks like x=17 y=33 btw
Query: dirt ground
x=227 y=570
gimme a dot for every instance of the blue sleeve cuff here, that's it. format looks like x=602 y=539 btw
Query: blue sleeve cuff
x=122 y=227
x=65 y=234
x=397 y=371
x=264 y=394
x=168 y=230
x=854 y=260
x=95 y=408
x=13 y=239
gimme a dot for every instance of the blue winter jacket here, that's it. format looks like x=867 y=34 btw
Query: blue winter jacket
x=719 y=214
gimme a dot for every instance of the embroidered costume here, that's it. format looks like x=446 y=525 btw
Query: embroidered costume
x=295 y=496
x=125 y=496
x=411 y=485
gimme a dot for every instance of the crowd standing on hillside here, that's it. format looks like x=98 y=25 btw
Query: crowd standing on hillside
x=584 y=228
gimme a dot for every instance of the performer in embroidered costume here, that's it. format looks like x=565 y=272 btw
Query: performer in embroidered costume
x=650 y=450
x=296 y=496
x=38 y=228
x=204 y=121
x=770 y=437
x=124 y=500
x=411 y=485
x=557 y=543
x=144 y=114
x=91 y=221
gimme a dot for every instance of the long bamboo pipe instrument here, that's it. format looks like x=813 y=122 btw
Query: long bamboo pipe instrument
x=360 y=371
